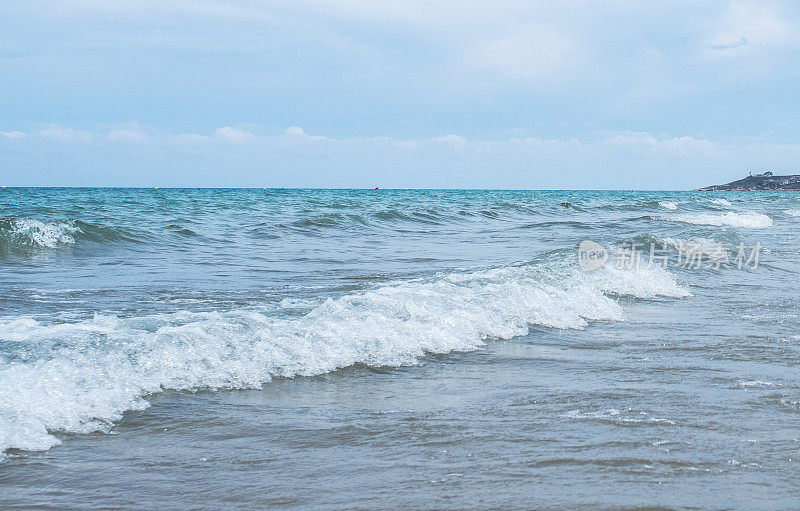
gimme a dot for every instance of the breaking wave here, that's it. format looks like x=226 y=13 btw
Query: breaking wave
x=750 y=219
x=82 y=376
x=35 y=233
x=20 y=235
x=720 y=202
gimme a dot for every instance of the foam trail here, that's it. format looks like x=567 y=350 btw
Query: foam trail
x=83 y=376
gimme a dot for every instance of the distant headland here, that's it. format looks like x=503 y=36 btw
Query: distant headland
x=765 y=181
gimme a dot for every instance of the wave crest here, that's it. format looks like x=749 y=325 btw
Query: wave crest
x=24 y=235
x=749 y=219
x=86 y=374
x=35 y=233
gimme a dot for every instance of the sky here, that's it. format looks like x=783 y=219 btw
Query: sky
x=567 y=94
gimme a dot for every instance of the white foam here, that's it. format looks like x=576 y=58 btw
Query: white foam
x=792 y=212
x=699 y=245
x=756 y=383
x=720 y=202
x=615 y=416
x=84 y=375
x=44 y=234
x=749 y=219
x=638 y=282
x=669 y=205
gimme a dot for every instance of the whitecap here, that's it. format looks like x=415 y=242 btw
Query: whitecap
x=756 y=383
x=81 y=376
x=749 y=219
x=43 y=234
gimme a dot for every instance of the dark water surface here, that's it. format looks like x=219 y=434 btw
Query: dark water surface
x=426 y=349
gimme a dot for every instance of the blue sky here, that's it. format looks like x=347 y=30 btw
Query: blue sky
x=357 y=93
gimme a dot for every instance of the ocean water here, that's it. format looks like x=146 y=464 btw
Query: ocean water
x=366 y=349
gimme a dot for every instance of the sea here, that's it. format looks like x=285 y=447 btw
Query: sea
x=399 y=349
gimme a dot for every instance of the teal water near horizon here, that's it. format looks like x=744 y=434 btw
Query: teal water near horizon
x=436 y=349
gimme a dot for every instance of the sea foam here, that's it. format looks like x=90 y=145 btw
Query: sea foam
x=720 y=202
x=749 y=219
x=81 y=377
x=31 y=232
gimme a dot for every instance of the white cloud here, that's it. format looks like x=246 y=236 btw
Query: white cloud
x=234 y=135
x=127 y=135
x=631 y=138
x=623 y=141
x=62 y=133
x=295 y=131
x=452 y=141
x=597 y=53
x=605 y=160
x=191 y=138
x=128 y=132
x=747 y=26
x=298 y=132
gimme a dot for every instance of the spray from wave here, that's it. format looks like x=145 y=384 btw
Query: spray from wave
x=29 y=235
x=35 y=233
x=81 y=377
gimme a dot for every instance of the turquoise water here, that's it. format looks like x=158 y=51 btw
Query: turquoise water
x=426 y=349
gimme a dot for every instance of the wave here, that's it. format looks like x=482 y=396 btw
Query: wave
x=554 y=223
x=422 y=217
x=635 y=205
x=722 y=241
x=20 y=235
x=711 y=249
x=35 y=233
x=720 y=202
x=180 y=230
x=792 y=212
x=392 y=218
x=627 y=417
x=80 y=377
x=750 y=219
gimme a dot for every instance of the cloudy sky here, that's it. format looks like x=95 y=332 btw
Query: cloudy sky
x=361 y=93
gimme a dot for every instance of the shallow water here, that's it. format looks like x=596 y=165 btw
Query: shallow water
x=363 y=349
